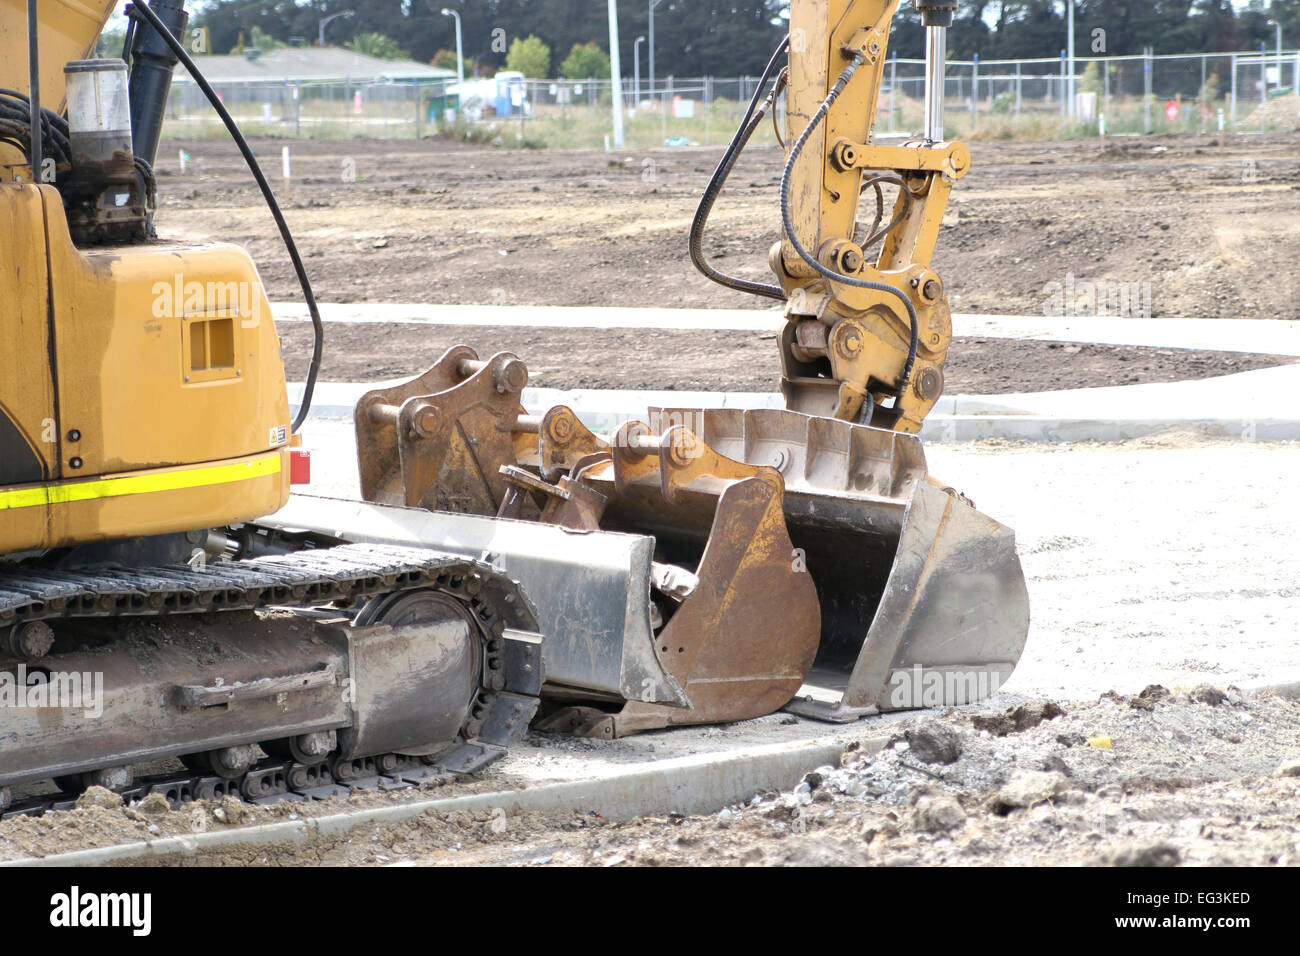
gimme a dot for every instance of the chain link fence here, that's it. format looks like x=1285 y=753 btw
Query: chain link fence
x=1011 y=99
x=1122 y=95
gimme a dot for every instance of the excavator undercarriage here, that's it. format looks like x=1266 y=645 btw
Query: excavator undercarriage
x=504 y=568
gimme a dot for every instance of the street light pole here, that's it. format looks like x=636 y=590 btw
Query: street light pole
x=460 y=50
x=325 y=21
x=1070 y=66
x=616 y=75
x=636 y=72
x=653 y=4
x=1279 y=51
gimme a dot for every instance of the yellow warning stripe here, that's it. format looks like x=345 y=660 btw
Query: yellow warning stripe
x=139 y=484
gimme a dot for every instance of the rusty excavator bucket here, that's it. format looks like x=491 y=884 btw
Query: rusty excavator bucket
x=703 y=565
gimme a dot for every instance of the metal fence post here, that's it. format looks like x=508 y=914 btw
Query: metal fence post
x=1017 y=89
x=1147 y=92
x=1232 y=107
x=664 y=105
x=974 y=90
x=893 y=88
x=1263 y=86
x=1105 y=81
x=1064 y=105
x=708 y=106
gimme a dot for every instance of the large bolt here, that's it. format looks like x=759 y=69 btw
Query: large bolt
x=849 y=343
x=684 y=448
x=424 y=421
x=31 y=640
x=929 y=384
x=931 y=289
x=511 y=376
x=843 y=156
x=851 y=260
x=560 y=428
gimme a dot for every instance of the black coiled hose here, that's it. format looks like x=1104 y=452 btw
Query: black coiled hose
x=753 y=117
x=788 y=221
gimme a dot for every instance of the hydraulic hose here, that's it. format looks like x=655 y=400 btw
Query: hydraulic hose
x=748 y=124
x=788 y=221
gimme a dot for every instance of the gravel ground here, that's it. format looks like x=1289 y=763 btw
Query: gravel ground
x=1144 y=567
x=1147 y=780
x=1205 y=777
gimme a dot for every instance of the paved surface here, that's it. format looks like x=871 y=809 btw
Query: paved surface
x=1256 y=405
x=1227 y=335
x=1166 y=561
x=1250 y=406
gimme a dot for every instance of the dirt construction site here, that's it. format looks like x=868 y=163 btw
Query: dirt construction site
x=1154 y=718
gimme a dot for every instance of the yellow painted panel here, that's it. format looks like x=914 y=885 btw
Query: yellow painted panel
x=126 y=380
x=26 y=386
x=158 y=502
x=139 y=484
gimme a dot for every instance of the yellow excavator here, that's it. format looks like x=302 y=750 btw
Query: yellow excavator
x=163 y=595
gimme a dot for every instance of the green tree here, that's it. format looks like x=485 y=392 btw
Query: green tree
x=1090 y=82
x=529 y=56
x=258 y=39
x=377 y=45
x=446 y=59
x=585 y=61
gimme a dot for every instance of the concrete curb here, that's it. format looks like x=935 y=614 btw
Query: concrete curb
x=696 y=784
x=1288 y=687
x=1042 y=417
x=1268 y=336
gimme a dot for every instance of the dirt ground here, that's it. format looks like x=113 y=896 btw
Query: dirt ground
x=730 y=361
x=1215 y=232
x=1141 y=559
x=1143 y=780
x=1201 y=776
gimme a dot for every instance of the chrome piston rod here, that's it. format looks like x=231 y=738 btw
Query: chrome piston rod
x=936 y=56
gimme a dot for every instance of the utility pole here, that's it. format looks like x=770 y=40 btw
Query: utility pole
x=1148 y=89
x=653 y=4
x=636 y=67
x=460 y=49
x=615 y=75
x=1073 y=109
x=1263 y=87
x=1232 y=117
x=325 y=21
x=1274 y=23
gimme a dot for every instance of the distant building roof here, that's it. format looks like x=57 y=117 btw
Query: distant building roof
x=310 y=64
